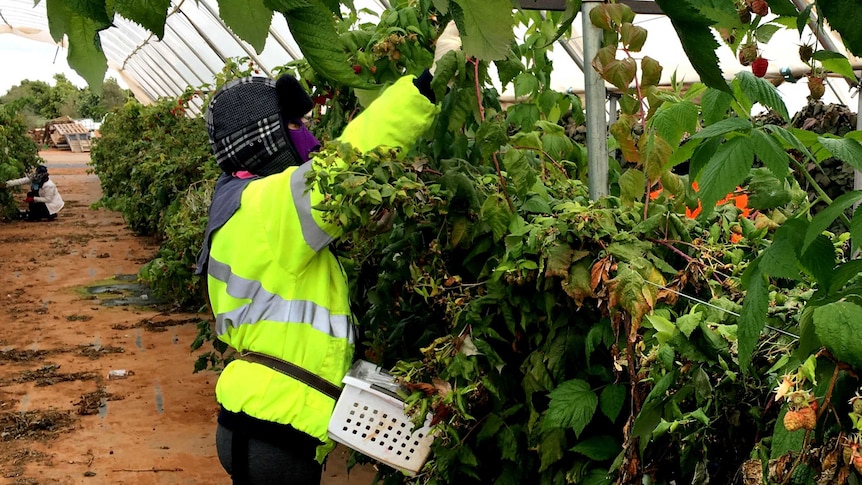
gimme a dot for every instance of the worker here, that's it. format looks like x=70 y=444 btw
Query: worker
x=278 y=294
x=43 y=199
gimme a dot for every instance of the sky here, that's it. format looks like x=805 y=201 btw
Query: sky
x=37 y=61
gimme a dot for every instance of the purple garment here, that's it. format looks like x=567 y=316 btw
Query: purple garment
x=304 y=141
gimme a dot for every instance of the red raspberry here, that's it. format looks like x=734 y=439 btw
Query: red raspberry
x=760 y=7
x=357 y=68
x=758 y=66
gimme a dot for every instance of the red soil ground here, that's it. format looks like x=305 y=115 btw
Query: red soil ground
x=62 y=421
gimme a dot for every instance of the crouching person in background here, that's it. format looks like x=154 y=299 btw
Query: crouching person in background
x=43 y=198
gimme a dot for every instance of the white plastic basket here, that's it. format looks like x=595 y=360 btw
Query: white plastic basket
x=370 y=418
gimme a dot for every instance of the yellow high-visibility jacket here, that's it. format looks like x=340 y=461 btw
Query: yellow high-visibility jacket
x=275 y=287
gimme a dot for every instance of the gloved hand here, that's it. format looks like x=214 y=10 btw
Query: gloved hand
x=449 y=40
x=28 y=200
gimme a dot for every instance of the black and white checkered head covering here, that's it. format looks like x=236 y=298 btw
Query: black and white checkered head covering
x=247 y=125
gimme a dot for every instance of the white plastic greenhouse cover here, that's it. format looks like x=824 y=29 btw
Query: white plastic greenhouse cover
x=196 y=45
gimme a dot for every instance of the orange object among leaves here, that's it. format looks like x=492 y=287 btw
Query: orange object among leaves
x=738 y=197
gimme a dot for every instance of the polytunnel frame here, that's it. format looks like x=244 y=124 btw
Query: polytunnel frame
x=148 y=60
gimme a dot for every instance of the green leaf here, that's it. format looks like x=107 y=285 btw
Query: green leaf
x=248 y=19
x=550 y=448
x=683 y=153
x=94 y=10
x=844 y=273
x=85 y=51
x=771 y=153
x=765 y=32
x=727 y=169
x=783 y=7
x=714 y=104
x=612 y=400
x=313 y=29
x=600 y=448
x=620 y=72
x=779 y=260
x=632 y=185
x=495 y=213
x=759 y=90
x=825 y=217
x=490 y=136
x=720 y=12
x=519 y=171
x=508 y=69
x=632 y=36
x=446 y=69
x=856 y=227
x=753 y=317
x=844 y=16
x=650 y=72
x=835 y=62
x=536 y=205
x=819 y=260
x=488 y=29
x=59 y=18
x=838 y=327
x=724 y=127
x=650 y=414
x=655 y=153
x=150 y=14
x=572 y=406
x=673 y=120
x=698 y=41
x=766 y=191
x=688 y=322
x=847 y=150
x=525 y=84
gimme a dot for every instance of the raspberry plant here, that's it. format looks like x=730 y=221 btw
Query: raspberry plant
x=20 y=156
x=553 y=338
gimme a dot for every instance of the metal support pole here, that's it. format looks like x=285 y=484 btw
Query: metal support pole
x=857 y=176
x=613 y=101
x=595 y=93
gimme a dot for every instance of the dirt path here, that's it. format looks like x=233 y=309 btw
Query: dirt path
x=62 y=421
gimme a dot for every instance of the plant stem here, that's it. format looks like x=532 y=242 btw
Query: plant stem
x=825 y=198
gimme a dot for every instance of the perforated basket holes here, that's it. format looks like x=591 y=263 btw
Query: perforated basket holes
x=391 y=433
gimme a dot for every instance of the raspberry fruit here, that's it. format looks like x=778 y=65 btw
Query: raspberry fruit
x=809 y=418
x=816 y=87
x=747 y=54
x=760 y=7
x=805 y=52
x=793 y=420
x=758 y=66
x=357 y=68
x=744 y=15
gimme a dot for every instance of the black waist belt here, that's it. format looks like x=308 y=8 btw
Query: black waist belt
x=310 y=379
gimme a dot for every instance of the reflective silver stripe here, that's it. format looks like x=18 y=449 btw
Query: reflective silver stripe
x=314 y=236
x=269 y=306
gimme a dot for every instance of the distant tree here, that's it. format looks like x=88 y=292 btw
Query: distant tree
x=62 y=99
x=29 y=99
x=91 y=105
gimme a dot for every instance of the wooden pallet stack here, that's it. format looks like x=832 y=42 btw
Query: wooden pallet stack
x=73 y=136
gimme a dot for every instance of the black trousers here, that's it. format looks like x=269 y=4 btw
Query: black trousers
x=37 y=211
x=251 y=461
